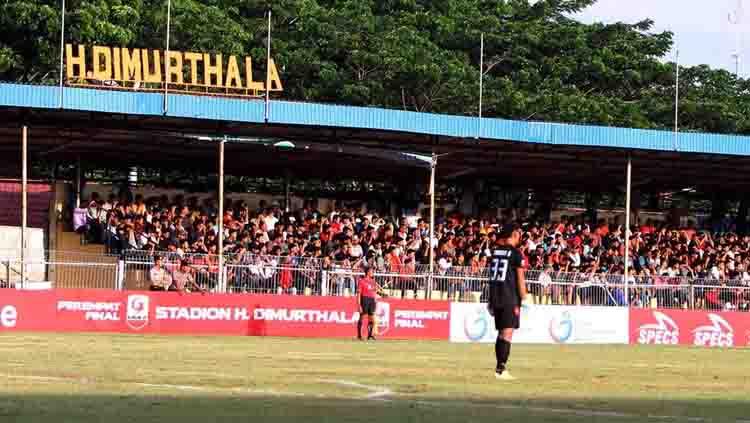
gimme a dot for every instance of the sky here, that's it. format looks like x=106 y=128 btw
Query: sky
x=701 y=27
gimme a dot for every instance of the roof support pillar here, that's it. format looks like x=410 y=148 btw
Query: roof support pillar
x=627 y=228
x=24 y=202
x=221 y=282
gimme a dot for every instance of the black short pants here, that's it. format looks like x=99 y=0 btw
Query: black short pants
x=368 y=306
x=507 y=317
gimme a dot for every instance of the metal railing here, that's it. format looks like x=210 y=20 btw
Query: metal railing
x=60 y=269
x=267 y=274
x=263 y=274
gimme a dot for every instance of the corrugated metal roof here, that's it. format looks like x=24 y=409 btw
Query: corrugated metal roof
x=309 y=114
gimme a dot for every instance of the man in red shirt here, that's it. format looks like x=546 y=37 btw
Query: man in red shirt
x=366 y=291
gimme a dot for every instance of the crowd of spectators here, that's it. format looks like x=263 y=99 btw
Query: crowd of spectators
x=346 y=238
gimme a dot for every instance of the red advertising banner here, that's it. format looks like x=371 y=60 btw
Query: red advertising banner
x=195 y=314
x=696 y=328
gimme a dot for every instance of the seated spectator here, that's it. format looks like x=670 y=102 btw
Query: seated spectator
x=672 y=258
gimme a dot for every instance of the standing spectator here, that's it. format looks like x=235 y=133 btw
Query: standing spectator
x=159 y=277
x=93 y=222
x=356 y=251
x=286 y=280
x=544 y=287
x=183 y=280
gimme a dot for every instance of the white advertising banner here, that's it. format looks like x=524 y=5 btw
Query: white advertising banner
x=543 y=324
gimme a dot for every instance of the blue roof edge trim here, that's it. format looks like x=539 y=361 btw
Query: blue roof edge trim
x=324 y=115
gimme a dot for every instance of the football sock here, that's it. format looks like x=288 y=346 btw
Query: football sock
x=502 y=352
x=370 y=326
x=359 y=328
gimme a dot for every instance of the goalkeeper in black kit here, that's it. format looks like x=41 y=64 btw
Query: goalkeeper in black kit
x=507 y=293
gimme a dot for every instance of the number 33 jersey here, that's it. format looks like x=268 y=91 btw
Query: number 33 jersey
x=503 y=275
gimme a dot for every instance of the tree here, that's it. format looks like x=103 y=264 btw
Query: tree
x=27 y=50
x=420 y=55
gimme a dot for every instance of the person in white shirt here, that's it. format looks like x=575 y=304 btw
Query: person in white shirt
x=531 y=244
x=270 y=220
x=575 y=258
x=160 y=279
x=355 y=251
x=105 y=209
x=715 y=273
x=444 y=264
x=545 y=280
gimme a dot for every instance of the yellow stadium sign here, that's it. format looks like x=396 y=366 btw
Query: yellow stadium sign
x=144 y=69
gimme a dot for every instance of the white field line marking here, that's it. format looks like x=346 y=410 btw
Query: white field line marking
x=375 y=391
x=378 y=394
x=326 y=357
x=215 y=389
x=216 y=375
x=312 y=357
x=159 y=385
x=5 y=344
x=317 y=355
x=178 y=387
x=655 y=365
x=37 y=378
x=543 y=410
x=574 y=412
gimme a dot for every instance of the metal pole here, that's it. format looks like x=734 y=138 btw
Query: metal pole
x=737 y=66
x=433 y=166
x=62 y=51
x=287 y=183
x=220 y=237
x=166 y=58
x=78 y=183
x=481 y=81
x=24 y=203
x=268 y=65
x=735 y=18
x=677 y=99
x=627 y=229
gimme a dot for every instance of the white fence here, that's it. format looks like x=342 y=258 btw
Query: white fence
x=310 y=276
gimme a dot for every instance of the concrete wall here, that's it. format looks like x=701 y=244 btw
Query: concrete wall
x=10 y=253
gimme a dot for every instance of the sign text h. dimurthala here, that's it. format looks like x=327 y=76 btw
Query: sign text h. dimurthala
x=184 y=71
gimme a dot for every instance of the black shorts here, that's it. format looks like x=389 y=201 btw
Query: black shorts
x=507 y=317
x=368 y=306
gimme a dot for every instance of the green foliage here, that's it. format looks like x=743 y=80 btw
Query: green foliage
x=419 y=55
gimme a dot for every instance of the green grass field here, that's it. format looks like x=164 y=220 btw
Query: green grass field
x=114 y=379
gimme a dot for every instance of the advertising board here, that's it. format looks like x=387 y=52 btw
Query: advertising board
x=195 y=314
x=700 y=328
x=544 y=325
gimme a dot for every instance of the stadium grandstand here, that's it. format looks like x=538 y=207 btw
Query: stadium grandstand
x=523 y=172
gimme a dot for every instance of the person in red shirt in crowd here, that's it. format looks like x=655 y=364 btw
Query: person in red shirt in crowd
x=648 y=228
x=285 y=278
x=367 y=289
x=602 y=230
x=336 y=225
